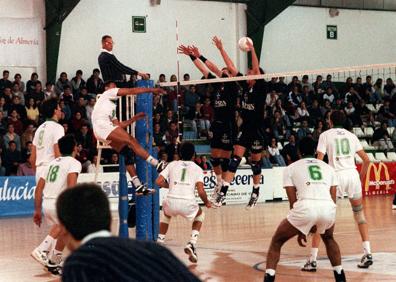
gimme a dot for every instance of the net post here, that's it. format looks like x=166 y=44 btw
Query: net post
x=144 y=219
x=123 y=199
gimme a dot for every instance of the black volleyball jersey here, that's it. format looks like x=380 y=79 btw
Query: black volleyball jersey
x=253 y=102
x=224 y=99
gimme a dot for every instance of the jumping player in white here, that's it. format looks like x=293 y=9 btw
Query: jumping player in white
x=181 y=178
x=61 y=173
x=311 y=187
x=44 y=150
x=340 y=145
x=106 y=126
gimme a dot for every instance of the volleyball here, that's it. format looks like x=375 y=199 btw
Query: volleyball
x=242 y=43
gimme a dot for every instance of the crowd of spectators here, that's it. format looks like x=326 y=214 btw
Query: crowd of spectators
x=292 y=111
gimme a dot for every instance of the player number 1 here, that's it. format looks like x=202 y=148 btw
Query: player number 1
x=183 y=175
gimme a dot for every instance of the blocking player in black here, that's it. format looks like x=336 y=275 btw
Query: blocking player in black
x=223 y=127
x=252 y=135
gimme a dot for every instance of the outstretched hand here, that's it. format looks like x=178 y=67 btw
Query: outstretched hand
x=144 y=75
x=194 y=51
x=184 y=50
x=217 y=42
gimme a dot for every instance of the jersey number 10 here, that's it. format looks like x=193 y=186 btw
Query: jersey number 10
x=342 y=147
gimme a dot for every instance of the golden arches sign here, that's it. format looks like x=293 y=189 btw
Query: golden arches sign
x=387 y=182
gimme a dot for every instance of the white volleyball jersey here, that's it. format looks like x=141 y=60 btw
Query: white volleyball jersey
x=340 y=145
x=312 y=179
x=182 y=177
x=105 y=109
x=56 y=175
x=46 y=136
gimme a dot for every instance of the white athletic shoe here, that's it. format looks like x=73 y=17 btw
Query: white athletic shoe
x=309 y=266
x=366 y=261
x=393 y=207
x=40 y=256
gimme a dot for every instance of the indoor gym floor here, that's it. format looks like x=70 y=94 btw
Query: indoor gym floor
x=233 y=245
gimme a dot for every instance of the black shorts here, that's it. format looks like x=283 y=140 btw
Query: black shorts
x=223 y=135
x=253 y=138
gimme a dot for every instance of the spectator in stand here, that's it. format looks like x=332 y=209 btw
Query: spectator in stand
x=12 y=136
x=18 y=80
x=350 y=112
x=205 y=164
x=92 y=166
x=381 y=139
x=95 y=84
x=2 y=168
x=161 y=79
x=303 y=111
x=5 y=82
x=317 y=85
x=4 y=107
x=274 y=152
x=16 y=92
x=49 y=90
x=80 y=106
x=84 y=94
x=329 y=95
x=326 y=107
x=19 y=108
x=278 y=125
x=7 y=94
x=37 y=94
x=289 y=151
x=328 y=83
x=279 y=107
x=273 y=85
x=389 y=88
x=67 y=96
x=77 y=83
x=172 y=95
x=315 y=112
x=85 y=137
x=294 y=97
x=352 y=96
x=3 y=125
x=78 y=121
x=16 y=122
x=346 y=87
x=12 y=158
x=27 y=135
x=305 y=83
x=385 y=113
x=271 y=99
x=158 y=136
x=172 y=149
x=66 y=127
x=32 y=111
x=207 y=115
x=171 y=133
x=31 y=84
x=317 y=131
x=157 y=105
x=114 y=159
x=25 y=168
x=377 y=93
x=61 y=83
x=304 y=131
x=363 y=113
x=295 y=83
x=82 y=157
x=367 y=89
x=191 y=97
x=66 y=110
x=27 y=150
x=307 y=95
x=89 y=108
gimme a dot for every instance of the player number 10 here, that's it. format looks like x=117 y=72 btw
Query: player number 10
x=342 y=146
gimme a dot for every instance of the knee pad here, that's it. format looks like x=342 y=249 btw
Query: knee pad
x=215 y=161
x=128 y=155
x=358 y=214
x=224 y=164
x=200 y=217
x=256 y=167
x=234 y=163
x=165 y=219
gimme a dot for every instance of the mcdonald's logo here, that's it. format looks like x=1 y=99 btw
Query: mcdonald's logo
x=378 y=181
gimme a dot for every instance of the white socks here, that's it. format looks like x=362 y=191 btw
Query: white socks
x=337 y=269
x=136 y=181
x=270 y=271
x=151 y=160
x=161 y=238
x=46 y=245
x=194 y=237
x=314 y=254
x=366 y=247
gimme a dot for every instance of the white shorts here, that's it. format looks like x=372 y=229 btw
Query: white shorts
x=308 y=213
x=102 y=129
x=40 y=172
x=187 y=208
x=49 y=210
x=349 y=183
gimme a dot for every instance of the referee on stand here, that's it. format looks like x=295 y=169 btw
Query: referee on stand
x=113 y=69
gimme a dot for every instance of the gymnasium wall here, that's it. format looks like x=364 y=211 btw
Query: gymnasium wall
x=15 y=17
x=296 y=39
x=155 y=50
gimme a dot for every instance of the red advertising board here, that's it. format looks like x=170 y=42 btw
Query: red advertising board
x=380 y=179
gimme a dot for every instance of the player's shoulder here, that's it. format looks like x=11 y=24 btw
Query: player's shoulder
x=326 y=166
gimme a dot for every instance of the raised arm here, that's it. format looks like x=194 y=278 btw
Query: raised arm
x=255 y=61
x=139 y=90
x=197 y=62
x=212 y=67
x=230 y=65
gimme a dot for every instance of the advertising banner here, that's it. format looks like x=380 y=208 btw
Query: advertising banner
x=16 y=195
x=380 y=179
x=20 y=42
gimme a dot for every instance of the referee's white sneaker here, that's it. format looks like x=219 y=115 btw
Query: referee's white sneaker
x=40 y=256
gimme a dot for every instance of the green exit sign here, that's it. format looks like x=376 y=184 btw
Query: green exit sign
x=138 y=24
x=331 y=32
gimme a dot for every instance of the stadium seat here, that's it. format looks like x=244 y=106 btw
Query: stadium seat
x=358 y=131
x=368 y=131
x=380 y=156
x=358 y=159
x=371 y=107
x=390 y=130
x=202 y=149
x=391 y=156
x=377 y=107
x=280 y=147
x=372 y=158
x=366 y=146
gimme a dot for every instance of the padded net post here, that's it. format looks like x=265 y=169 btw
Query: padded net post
x=123 y=200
